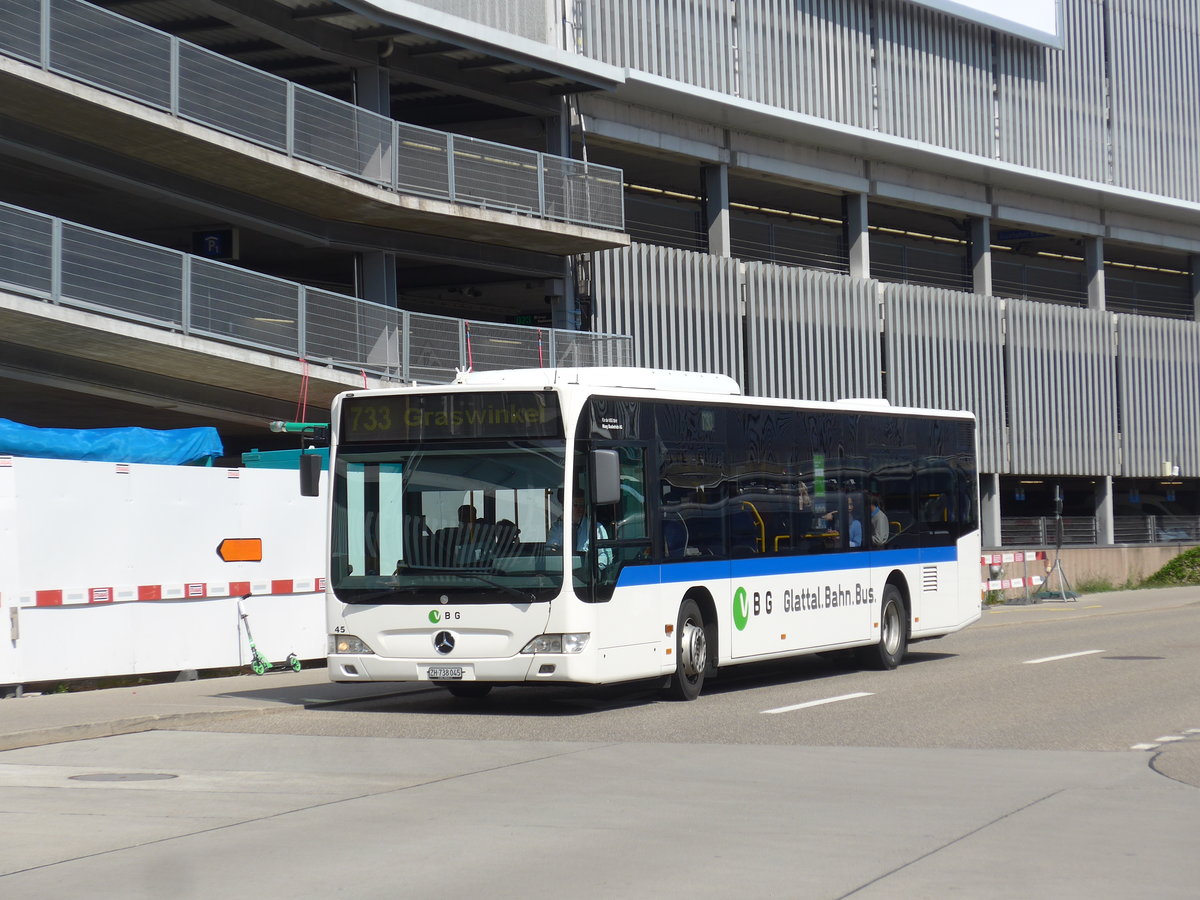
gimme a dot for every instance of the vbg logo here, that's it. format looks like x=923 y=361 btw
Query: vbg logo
x=741 y=609
x=435 y=616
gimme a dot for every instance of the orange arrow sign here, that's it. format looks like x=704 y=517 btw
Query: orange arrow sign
x=240 y=550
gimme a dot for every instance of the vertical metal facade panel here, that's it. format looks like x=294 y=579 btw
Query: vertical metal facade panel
x=1062 y=390
x=527 y=18
x=810 y=335
x=1051 y=104
x=1118 y=104
x=945 y=349
x=680 y=307
x=1155 y=61
x=935 y=78
x=1160 y=395
x=691 y=41
x=810 y=56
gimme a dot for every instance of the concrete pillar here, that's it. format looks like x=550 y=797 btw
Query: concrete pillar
x=558 y=130
x=1093 y=260
x=379 y=277
x=981 y=255
x=716 y=209
x=1194 y=264
x=989 y=511
x=372 y=91
x=564 y=311
x=854 y=208
x=1105 y=532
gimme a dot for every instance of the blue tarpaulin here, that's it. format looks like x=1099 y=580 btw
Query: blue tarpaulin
x=175 y=447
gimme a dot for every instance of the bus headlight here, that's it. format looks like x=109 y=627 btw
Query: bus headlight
x=558 y=643
x=348 y=643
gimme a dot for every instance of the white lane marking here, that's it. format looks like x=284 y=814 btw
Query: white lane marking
x=1168 y=738
x=1144 y=747
x=1033 y=662
x=783 y=709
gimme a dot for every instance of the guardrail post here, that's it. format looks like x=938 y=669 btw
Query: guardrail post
x=541 y=184
x=302 y=322
x=405 y=367
x=44 y=42
x=173 y=76
x=450 y=186
x=290 y=121
x=56 y=244
x=395 y=167
x=185 y=296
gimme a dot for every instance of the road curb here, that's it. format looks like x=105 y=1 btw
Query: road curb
x=60 y=734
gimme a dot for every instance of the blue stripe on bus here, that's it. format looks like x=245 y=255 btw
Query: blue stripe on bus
x=757 y=566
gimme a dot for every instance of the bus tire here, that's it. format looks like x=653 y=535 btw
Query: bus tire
x=468 y=690
x=691 y=653
x=893 y=637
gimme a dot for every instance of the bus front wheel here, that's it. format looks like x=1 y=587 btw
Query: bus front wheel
x=691 y=653
x=893 y=634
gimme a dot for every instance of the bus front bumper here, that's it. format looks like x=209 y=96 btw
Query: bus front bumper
x=547 y=667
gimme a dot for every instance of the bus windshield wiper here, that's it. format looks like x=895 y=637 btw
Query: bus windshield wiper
x=477 y=575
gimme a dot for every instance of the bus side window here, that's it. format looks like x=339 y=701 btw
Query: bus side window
x=630 y=516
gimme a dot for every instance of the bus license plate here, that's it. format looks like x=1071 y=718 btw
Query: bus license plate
x=444 y=673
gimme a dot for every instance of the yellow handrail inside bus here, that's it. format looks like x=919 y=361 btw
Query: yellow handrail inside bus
x=761 y=540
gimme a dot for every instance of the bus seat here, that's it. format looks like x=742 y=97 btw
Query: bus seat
x=674 y=539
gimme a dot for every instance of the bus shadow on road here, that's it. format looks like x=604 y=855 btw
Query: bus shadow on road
x=819 y=667
x=545 y=701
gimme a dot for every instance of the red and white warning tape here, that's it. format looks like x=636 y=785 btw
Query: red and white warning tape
x=193 y=590
x=1006 y=583
x=999 y=559
x=1014 y=556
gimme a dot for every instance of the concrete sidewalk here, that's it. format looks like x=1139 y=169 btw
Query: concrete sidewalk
x=33 y=720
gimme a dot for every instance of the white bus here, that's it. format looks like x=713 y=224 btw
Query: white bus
x=605 y=525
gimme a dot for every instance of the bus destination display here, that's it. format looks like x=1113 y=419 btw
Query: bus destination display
x=451 y=416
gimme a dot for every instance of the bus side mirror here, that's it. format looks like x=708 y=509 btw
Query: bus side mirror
x=310 y=474
x=606 y=477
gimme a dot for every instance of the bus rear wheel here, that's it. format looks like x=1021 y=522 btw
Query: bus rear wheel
x=893 y=634
x=468 y=690
x=691 y=653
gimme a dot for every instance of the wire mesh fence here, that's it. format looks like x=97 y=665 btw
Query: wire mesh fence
x=48 y=259
x=120 y=56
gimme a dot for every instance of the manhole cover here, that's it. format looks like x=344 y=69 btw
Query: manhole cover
x=123 y=776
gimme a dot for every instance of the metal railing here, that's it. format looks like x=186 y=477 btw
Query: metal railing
x=61 y=262
x=1156 y=529
x=1042 y=532
x=123 y=57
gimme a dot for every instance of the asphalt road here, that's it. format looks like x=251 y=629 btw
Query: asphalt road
x=1130 y=673
x=1046 y=751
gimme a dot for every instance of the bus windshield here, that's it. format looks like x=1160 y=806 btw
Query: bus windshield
x=419 y=523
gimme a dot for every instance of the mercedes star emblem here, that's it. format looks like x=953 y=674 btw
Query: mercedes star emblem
x=443 y=642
